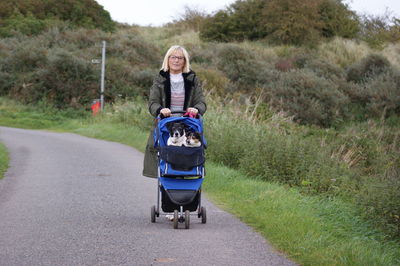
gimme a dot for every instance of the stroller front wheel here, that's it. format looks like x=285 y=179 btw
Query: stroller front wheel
x=187 y=219
x=176 y=218
x=203 y=214
x=153 y=214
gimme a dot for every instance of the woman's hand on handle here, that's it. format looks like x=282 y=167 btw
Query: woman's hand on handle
x=192 y=110
x=166 y=112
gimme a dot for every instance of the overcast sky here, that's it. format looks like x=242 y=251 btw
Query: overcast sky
x=158 y=12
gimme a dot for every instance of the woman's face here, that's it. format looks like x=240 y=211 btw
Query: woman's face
x=176 y=62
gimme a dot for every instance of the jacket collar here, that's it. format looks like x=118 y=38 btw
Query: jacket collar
x=165 y=74
x=167 y=88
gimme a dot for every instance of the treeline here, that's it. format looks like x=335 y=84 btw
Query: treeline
x=31 y=17
x=293 y=22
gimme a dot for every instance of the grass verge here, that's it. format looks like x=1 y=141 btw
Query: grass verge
x=312 y=230
x=3 y=160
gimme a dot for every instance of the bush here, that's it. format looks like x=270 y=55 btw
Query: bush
x=320 y=67
x=372 y=65
x=191 y=19
x=213 y=80
x=7 y=81
x=26 y=57
x=381 y=95
x=133 y=48
x=239 y=65
x=28 y=25
x=338 y=20
x=281 y=21
x=217 y=28
x=309 y=98
x=67 y=80
x=292 y=21
x=32 y=17
x=380 y=29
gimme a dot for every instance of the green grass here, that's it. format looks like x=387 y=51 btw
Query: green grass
x=311 y=230
x=3 y=160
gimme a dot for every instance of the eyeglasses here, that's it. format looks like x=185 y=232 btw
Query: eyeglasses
x=173 y=57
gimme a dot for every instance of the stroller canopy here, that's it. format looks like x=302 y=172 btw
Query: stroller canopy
x=161 y=133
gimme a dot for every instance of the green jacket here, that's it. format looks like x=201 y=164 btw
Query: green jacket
x=160 y=97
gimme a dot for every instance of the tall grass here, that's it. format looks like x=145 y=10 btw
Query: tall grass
x=343 y=52
x=312 y=230
x=3 y=160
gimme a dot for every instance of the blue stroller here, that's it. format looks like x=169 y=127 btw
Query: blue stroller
x=180 y=173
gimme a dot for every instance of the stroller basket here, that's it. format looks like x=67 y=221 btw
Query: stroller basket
x=182 y=158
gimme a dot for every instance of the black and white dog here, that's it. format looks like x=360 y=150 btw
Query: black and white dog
x=177 y=134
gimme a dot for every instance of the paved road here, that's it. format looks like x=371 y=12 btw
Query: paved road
x=72 y=200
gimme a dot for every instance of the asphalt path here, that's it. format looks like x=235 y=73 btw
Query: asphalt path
x=73 y=200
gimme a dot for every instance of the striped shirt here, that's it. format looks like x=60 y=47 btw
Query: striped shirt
x=177 y=92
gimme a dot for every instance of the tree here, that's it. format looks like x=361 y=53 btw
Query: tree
x=292 y=21
x=338 y=19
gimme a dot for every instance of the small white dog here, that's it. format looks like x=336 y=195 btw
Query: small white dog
x=177 y=134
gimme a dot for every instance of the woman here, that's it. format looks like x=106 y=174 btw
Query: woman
x=176 y=88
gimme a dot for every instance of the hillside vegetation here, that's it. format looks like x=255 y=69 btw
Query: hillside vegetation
x=323 y=118
x=31 y=17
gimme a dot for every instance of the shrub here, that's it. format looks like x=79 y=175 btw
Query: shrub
x=239 y=65
x=217 y=28
x=381 y=94
x=320 y=67
x=31 y=17
x=376 y=30
x=7 y=81
x=28 y=25
x=80 y=38
x=284 y=65
x=213 y=80
x=338 y=20
x=134 y=49
x=373 y=64
x=67 y=80
x=309 y=98
x=27 y=56
x=191 y=19
x=292 y=21
x=281 y=21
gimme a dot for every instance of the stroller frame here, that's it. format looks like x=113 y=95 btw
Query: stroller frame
x=181 y=211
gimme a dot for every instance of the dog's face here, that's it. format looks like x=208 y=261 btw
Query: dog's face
x=193 y=139
x=176 y=134
x=176 y=130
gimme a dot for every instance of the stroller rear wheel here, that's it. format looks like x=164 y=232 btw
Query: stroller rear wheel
x=176 y=218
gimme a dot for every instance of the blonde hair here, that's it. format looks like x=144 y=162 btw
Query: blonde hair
x=186 y=67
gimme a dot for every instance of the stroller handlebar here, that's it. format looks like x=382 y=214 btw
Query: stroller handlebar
x=177 y=114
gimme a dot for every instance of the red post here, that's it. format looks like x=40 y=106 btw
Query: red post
x=95 y=107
